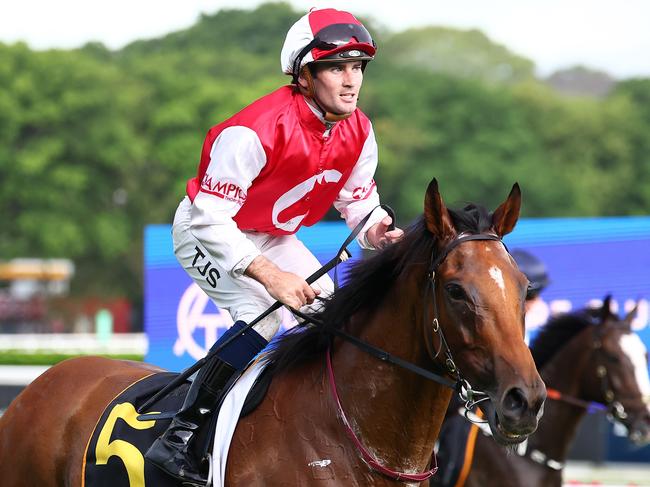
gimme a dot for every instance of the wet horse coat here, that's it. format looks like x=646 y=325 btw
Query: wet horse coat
x=295 y=437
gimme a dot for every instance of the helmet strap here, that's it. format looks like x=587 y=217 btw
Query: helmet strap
x=310 y=92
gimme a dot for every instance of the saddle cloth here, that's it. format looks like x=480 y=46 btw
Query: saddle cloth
x=115 y=452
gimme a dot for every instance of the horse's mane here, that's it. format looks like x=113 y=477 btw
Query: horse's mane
x=367 y=284
x=558 y=331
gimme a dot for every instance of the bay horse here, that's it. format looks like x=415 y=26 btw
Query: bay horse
x=589 y=360
x=447 y=299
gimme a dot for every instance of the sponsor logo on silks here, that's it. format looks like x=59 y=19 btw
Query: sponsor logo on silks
x=191 y=316
x=362 y=192
x=223 y=189
x=297 y=193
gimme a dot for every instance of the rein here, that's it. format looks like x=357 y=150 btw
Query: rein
x=460 y=385
x=369 y=458
x=612 y=407
x=590 y=406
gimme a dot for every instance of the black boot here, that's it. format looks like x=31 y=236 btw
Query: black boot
x=181 y=448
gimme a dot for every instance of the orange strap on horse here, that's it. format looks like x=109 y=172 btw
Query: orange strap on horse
x=469 y=453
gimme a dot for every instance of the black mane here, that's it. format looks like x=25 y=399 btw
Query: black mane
x=366 y=286
x=559 y=331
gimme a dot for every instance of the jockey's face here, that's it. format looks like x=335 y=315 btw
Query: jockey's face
x=337 y=86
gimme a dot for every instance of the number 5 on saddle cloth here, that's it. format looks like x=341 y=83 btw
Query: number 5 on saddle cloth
x=115 y=453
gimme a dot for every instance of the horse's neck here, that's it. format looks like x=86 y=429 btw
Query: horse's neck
x=560 y=421
x=396 y=413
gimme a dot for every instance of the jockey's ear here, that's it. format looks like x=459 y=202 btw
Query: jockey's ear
x=436 y=215
x=506 y=215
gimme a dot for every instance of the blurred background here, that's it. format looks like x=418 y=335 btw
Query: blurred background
x=103 y=110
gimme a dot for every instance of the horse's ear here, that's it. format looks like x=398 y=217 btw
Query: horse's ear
x=606 y=309
x=506 y=215
x=631 y=315
x=436 y=215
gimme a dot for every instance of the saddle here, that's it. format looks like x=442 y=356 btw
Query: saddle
x=114 y=454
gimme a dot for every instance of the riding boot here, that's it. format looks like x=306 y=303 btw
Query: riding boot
x=181 y=449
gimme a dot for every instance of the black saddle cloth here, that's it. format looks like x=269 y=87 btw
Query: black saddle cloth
x=452 y=443
x=115 y=452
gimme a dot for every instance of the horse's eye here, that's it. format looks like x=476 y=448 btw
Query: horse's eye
x=455 y=291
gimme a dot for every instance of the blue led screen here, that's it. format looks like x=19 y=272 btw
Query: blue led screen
x=587 y=258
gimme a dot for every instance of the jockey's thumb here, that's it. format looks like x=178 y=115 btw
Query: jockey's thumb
x=386 y=222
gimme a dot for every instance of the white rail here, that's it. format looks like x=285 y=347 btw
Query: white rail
x=81 y=343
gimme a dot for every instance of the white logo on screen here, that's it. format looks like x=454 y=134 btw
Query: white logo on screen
x=190 y=316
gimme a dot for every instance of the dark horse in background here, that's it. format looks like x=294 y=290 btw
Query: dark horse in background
x=451 y=273
x=589 y=356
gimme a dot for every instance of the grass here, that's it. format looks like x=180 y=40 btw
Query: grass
x=11 y=357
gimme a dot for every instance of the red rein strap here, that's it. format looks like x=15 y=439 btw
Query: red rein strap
x=370 y=459
x=591 y=407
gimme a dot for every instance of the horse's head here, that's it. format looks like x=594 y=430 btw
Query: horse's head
x=479 y=301
x=617 y=372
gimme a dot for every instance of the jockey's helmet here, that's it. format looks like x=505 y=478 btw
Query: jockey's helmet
x=534 y=269
x=325 y=35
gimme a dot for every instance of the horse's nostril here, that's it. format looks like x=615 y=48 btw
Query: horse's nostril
x=515 y=401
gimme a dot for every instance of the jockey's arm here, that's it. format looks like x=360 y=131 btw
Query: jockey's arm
x=286 y=287
x=359 y=196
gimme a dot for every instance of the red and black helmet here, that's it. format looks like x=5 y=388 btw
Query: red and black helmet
x=325 y=35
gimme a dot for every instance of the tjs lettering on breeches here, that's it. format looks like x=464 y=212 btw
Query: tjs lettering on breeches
x=243 y=297
x=212 y=274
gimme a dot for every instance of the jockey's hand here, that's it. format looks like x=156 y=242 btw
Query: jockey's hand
x=379 y=236
x=286 y=287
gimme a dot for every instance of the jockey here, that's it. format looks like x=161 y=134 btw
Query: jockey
x=454 y=434
x=535 y=271
x=278 y=164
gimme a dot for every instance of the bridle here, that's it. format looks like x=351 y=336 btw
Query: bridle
x=469 y=396
x=462 y=387
x=612 y=407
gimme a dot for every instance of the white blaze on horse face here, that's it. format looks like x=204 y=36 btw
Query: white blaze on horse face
x=635 y=350
x=319 y=463
x=497 y=277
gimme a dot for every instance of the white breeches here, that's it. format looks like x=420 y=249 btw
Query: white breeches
x=243 y=297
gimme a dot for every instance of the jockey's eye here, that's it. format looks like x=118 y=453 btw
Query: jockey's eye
x=455 y=291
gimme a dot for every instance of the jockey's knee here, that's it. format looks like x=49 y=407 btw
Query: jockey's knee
x=268 y=326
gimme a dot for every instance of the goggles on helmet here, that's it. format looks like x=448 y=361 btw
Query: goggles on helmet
x=333 y=37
